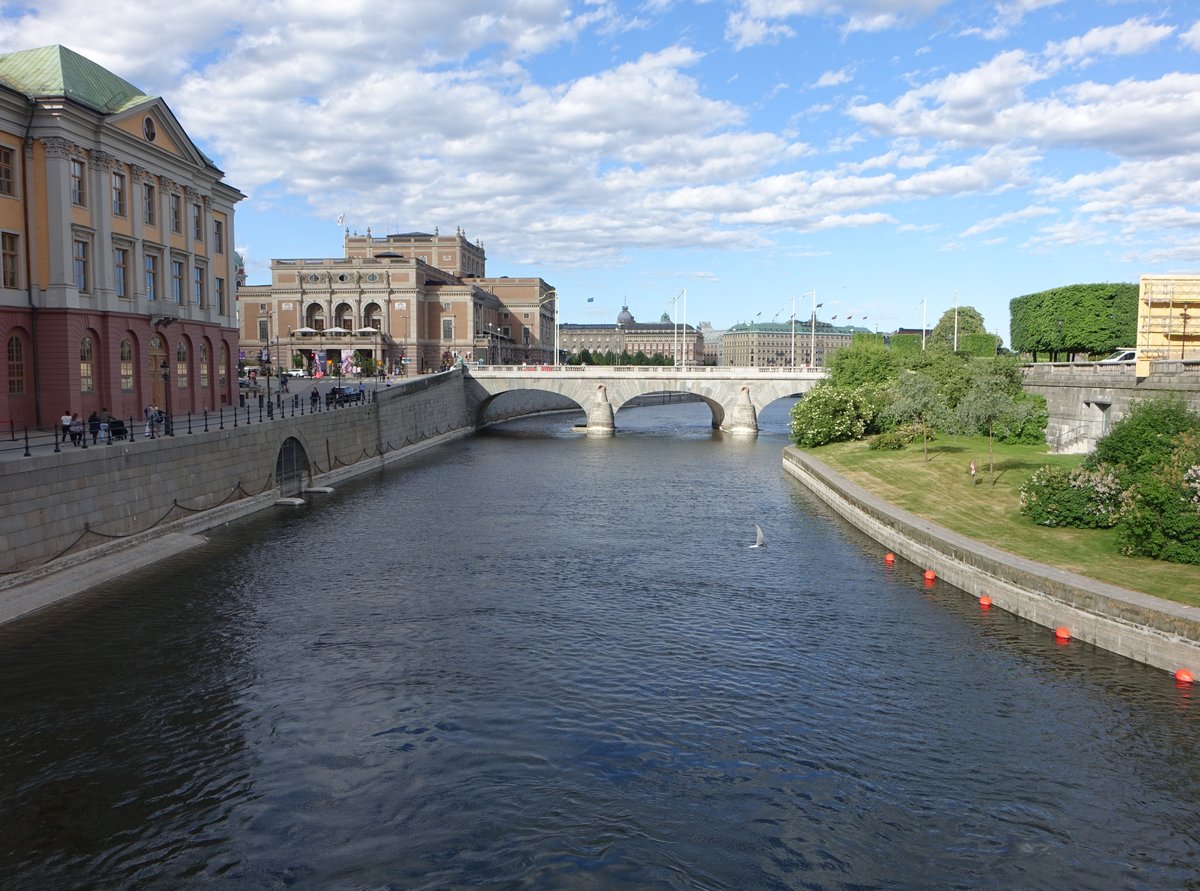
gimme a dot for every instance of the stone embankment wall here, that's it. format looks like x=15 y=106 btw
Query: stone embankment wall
x=1085 y=399
x=1153 y=631
x=53 y=504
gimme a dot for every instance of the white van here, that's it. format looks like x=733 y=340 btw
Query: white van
x=1122 y=355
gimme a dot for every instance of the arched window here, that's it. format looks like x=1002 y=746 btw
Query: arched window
x=86 y=366
x=222 y=377
x=16 y=366
x=127 y=365
x=314 y=317
x=181 y=364
x=204 y=365
x=373 y=316
x=343 y=317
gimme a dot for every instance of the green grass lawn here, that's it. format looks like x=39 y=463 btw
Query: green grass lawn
x=940 y=490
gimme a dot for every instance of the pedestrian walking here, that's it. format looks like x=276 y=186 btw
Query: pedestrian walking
x=76 y=429
x=972 y=473
x=65 y=421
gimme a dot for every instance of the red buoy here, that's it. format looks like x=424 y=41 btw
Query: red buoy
x=930 y=575
x=1062 y=632
x=1183 y=676
x=985 y=602
x=889 y=558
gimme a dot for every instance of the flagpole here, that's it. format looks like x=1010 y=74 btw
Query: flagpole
x=956 y=320
x=793 y=332
x=923 y=323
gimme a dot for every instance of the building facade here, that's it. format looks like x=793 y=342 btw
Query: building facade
x=1168 y=319
x=683 y=344
x=409 y=302
x=807 y=344
x=116 y=236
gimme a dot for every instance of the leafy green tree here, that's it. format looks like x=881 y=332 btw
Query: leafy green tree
x=1087 y=319
x=865 y=363
x=917 y=399
x=949 y=370
x=970 y=321
x=991 y=403
x=1142 y=440
x=1164 y=519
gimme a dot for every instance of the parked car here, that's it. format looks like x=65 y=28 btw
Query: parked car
x=296 y=372
x=343 y=395
x=1122 y=355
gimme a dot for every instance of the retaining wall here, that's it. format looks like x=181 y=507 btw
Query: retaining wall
x=1154 y=631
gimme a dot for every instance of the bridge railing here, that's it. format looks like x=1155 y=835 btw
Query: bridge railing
x=649 y=370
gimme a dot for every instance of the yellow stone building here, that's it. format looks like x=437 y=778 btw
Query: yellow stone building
x=116 y=249
x=1168 y=320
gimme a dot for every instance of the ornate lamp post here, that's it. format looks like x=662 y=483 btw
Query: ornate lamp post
x=168 y=427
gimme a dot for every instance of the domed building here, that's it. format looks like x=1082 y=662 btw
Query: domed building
x=684 y=344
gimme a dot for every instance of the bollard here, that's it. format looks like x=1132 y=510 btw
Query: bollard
x=27 y=442
x=206 y=419
x=221 y=417
x=57 y=434
x=189 y=422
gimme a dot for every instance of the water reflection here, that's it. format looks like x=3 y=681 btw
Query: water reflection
x=534 y=659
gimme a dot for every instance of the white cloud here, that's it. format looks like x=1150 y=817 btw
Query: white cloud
x=1191 y=37
x=1004 y=219
x=756 y=22
x=835 y=78
x=1127 y=38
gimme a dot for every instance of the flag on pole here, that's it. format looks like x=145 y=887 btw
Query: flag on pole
x=591 y=300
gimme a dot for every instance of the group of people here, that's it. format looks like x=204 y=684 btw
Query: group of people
x=155 y=419
x=99 y=425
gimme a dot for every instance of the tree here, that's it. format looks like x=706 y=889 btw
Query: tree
x=1095 y=318
x=916 y=399
x=970 y=321
x=991 y=402
x=863 y=364
x=829 y=413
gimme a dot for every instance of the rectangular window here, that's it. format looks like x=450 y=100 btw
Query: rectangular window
x=8 y=247
x=81 y=266
x=126 y=366
x=447 y=329
x=176 y=214
x=177 y=281
x=262 y=330
x=219 y=283
x=120 y=265
x=198 y=285
x=118 y=186
x=16 y=366
x=78 y=192
x=197 y=223
x=149 y=204
x=218 y=236
x=8 y=180
x=151 y=270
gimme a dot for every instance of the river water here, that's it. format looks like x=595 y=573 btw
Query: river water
x=535 y=660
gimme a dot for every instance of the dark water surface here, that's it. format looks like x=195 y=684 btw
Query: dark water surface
x=534 y=660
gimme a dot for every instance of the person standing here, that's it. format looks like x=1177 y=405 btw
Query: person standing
x=65 y=421
x=76 y=429
x=972 y=471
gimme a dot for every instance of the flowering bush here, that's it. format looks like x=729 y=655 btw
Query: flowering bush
x=832 y=414
x=1082 y=497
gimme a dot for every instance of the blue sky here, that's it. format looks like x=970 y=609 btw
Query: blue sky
x=889 y=155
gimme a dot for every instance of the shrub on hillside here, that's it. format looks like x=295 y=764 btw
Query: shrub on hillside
x=1142 y=440
x=1081 y=497
x=1164 y=517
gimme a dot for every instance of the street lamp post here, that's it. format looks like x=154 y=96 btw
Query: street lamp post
x=168 y=428
x=812 y=331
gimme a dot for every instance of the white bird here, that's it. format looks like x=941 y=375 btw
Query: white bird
x=758 y=537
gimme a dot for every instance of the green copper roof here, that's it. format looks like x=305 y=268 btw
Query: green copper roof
x=57 y=71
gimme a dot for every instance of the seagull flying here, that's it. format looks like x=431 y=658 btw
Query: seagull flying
x=758 y=537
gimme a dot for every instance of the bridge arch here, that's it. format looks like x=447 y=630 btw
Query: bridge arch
x=733 y=395
x=292 y=468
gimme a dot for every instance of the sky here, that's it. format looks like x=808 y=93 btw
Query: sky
x=717 y=160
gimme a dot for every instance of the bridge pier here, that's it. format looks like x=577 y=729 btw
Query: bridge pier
x=601 y=420
x=743 y=418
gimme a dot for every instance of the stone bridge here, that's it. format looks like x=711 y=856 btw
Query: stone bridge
x=734 y=395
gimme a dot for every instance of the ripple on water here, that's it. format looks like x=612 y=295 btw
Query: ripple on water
x=428 y=682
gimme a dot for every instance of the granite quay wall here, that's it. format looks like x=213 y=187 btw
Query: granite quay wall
x=1085 y=399
x=53 y=505
x=1153 y=631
